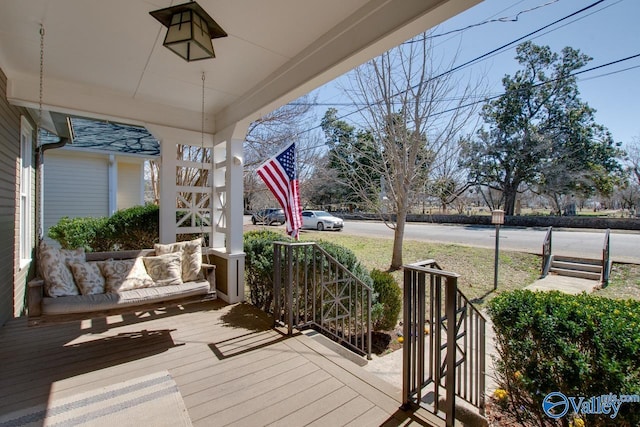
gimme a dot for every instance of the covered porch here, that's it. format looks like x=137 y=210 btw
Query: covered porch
x=230 y=367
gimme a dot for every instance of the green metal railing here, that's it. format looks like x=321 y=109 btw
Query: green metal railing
x=312 y=289
x=606 y=260
x=547 y=256
x=449 y=361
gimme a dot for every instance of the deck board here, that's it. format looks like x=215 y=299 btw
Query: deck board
x=231 y=368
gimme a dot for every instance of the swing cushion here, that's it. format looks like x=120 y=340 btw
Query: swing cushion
x=191 y=257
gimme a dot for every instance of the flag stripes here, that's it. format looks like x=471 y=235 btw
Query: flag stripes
x=279 y=174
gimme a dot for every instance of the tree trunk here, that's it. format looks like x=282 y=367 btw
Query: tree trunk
x=398 y=236
x=510 y=195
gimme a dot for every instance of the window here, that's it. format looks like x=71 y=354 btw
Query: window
x=26 y=173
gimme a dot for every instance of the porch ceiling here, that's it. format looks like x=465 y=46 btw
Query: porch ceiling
x=105 y=59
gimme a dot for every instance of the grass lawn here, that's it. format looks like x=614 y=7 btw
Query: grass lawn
x=624 y=282
x=475 y=265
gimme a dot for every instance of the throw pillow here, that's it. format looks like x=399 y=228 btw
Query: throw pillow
x=165 y=269
x=88 y=277
x=125 y=275
x=191 y=258
x=58 y=280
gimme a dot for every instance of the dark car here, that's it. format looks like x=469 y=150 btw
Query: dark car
x=268 y=216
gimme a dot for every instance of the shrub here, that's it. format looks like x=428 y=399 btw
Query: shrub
x=581 y=346
x=258 y=247
x=347 y=258
x=74 y=233
x=389 y=297
x=132 y=228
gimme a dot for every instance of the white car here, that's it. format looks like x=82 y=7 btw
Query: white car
x=321 y=220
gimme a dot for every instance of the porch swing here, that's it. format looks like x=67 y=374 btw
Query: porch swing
x=133 y=289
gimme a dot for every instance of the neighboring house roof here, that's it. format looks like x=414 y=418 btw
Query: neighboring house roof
x=115 y=137
x=108 y=136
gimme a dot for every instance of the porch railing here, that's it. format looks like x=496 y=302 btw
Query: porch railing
x=449 y=361
x=546 y=253
x=312 y=289
x=606 y=260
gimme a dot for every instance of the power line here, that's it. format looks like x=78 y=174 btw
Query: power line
x=487 y=21
x=478 y=58
x=467 y=63
x=496 y=96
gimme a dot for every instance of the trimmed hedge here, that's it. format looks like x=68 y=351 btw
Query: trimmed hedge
x=74 y=233
x=127 y=229
x=580 y=345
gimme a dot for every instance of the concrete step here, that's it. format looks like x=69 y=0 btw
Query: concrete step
x=591 y=261
x=567 y=265
x=575 y=273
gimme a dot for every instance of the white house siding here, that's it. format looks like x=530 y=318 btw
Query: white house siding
x=76 y=184
x=13 y=277
x=130 y=184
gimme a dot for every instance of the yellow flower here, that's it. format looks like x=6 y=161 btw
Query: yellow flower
x=517 y=375
x=500 y=394
x=576 y=422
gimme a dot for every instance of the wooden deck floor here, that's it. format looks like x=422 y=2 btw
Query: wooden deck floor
x=230 y=366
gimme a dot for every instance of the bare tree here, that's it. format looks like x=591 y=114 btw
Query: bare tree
x=413 y=110
x=270 y=134
x=633 y=159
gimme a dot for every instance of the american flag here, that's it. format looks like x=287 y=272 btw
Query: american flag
x=279 y=173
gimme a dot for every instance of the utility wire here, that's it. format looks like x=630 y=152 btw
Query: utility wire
x=490 y=98
x=476 y=59
x=478 y=24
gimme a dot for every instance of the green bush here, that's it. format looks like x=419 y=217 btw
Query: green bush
x=390 y=299
x=133 y=228
x=581 y=346
x=347 y=258
x=74 y=233
x=258 y=247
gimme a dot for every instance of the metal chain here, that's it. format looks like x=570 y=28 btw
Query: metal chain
x=203 y=183
x=202 y=119
x=41 y=84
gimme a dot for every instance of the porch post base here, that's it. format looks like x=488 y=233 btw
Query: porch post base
x=229 y=275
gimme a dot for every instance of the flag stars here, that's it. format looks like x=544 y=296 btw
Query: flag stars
x=287 y=159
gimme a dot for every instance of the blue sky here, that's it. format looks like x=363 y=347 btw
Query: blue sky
x=606 y=32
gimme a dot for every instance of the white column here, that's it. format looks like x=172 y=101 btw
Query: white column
x=235 y=193
x=168 y=163
x=228 y=194
x=113 y=184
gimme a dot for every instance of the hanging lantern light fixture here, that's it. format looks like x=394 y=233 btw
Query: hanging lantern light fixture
x=189 y=30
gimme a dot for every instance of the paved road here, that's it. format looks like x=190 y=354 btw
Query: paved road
x=625 y=246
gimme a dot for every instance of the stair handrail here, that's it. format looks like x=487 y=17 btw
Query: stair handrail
x=313 y=289
x=606 y=263
x=450 y=362
x=546 y=253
